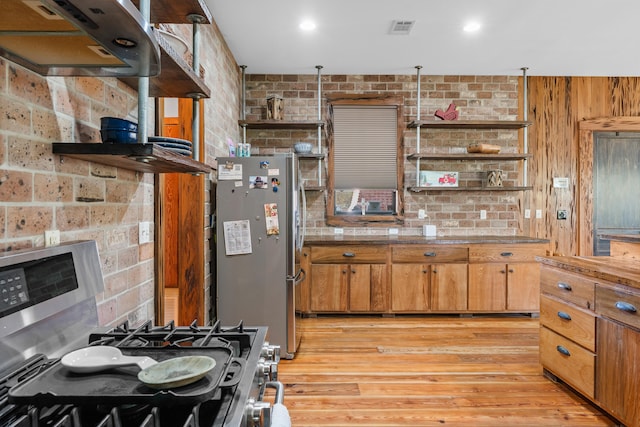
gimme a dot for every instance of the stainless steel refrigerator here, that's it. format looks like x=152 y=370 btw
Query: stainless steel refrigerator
x=259 y=233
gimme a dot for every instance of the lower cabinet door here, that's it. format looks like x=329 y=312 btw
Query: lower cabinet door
x=487 y=287
x=409 y=287
x=567 y=360
x=360 y=287
x=449 y=287
x=523 y=287
x=618 y=371
x=329 y=287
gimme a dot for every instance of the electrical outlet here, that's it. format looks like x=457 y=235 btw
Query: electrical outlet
x=421 y=214
x=561 y=214
x=144 y=232
x=539 y=213
x=527 y=213
x=483 y=214
x=52 y=237
x=393 y=232
x=338 y=231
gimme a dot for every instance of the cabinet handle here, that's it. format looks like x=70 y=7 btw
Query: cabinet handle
x=563 y=350
x=503 y=271
x=564 y=316
x=564 y=286
x=424 y=271
x=625 y=306
x=353 y=271
x=511 y=270
x=349 y=254
x=344 y=271
x=435 y=271
x=506 y=254
x=431 y=254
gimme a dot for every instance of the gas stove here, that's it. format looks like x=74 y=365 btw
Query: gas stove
x=36 y=390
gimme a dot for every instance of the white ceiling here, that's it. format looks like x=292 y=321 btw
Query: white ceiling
x=550 y=37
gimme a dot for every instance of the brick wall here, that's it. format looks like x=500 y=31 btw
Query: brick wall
x=40 y=191
x=454 y=213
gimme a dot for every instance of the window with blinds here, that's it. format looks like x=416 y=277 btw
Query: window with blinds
x=365 y=147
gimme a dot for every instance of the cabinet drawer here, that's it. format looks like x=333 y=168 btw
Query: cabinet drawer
x=576 y=324
x=506 y=253
x=429 y=254
x=568 y=361
x=618 y=304
x=567 y=286
x=349 y=254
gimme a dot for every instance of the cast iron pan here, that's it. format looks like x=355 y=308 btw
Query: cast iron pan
x=118 y=386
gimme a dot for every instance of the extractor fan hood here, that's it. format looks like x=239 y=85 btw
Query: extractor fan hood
x=78 y=38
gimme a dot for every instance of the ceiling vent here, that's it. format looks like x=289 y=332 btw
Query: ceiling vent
x=401 y=27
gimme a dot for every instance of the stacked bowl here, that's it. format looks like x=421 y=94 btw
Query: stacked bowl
x=118 y=131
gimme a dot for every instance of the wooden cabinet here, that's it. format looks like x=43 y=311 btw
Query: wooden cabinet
x=618 y=370
x=348 y=279
x=590 y=330
x=428 y=278
x=504 y=277
x=568 y=328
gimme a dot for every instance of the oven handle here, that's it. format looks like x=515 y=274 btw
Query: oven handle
x=277 y=385
x=236 y=371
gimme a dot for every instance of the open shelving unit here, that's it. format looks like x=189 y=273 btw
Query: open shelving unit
x=291 y=125
x=419 y=124
x=177 y=79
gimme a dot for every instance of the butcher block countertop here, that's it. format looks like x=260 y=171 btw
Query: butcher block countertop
x=417 y=240
x=630 y=238
x=623 y=271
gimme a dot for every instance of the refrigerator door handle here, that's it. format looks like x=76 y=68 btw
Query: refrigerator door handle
x=299 y=277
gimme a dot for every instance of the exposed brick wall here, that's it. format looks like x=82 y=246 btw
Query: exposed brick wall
x=41 y=191
x=454 y=213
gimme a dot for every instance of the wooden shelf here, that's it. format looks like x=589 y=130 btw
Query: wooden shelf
x=469 y=124
x=470 y=156
x=177 y=12
x=311 y=156
x=176 y=78
x=280 y=124
x=424 y=189
x=139 y=157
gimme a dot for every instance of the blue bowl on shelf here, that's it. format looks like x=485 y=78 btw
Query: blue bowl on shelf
x=116 y=123
x=118 y=136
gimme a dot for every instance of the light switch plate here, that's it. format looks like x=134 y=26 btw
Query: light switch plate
x=539 y=213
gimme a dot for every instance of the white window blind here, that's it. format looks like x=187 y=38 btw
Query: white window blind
x=365 y=147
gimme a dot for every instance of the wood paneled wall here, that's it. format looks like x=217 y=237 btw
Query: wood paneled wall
x=556 y=106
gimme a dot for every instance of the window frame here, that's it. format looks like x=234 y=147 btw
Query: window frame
x=366 y=220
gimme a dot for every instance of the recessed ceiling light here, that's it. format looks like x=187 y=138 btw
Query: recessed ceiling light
x=471 y=27
x=307 y=25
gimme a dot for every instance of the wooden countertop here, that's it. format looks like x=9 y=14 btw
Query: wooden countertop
x=623 y=271
x=413 y=240
x=630 y=238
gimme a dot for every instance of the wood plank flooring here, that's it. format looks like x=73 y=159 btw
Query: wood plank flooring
x=426 y=371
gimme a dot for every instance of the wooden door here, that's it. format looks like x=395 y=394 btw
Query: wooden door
x=329 y=287
x=180 y=224
x=487 y=287
x=449 y=287
x=523 y=287
x=410 y=287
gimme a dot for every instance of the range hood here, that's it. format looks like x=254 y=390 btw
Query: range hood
x=78 y=38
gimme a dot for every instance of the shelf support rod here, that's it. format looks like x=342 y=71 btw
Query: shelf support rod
x=143 y=86
x=196 y=20
x=525 y=116
x=243 y=110
x=418 y=68
x=319 y=68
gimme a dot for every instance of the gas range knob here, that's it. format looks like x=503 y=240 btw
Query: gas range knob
x=267 y=370
x=270 y=352
x=258 y=414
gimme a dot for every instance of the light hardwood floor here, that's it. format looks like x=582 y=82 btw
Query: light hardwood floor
x=426 y=371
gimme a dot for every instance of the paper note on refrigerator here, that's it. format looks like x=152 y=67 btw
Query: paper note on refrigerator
x=271 y=217
x=237 y=237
